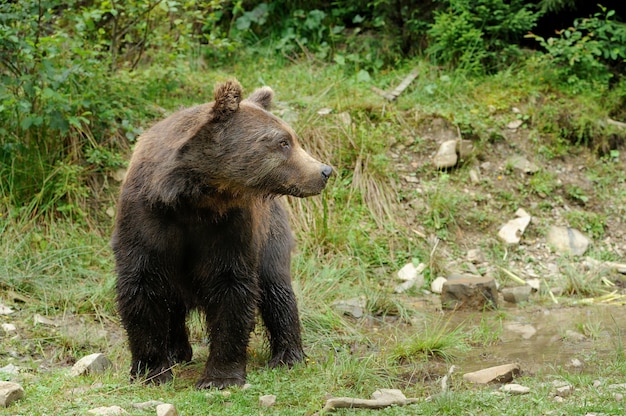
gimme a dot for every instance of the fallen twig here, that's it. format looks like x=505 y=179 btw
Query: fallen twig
x=393 y=95
x=380 y=399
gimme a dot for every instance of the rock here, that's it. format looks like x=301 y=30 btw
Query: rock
x=515 y=124
x=5 y=310
x=91 y=364
x=345 y=118
x=592 y=263
x=575 y=336
x=511 y=232
x=464 y=148
x=10 y=392
x=39 y=319
x=324 y=111
x=436 y=286
x=388 y=394
x=567 y=240
x=110 y=212
x=150 y=404
x=525 y=330
x=522 y=164
x=517 y=294
x=498 y=374
x=268 y=400
x=515 y=389
x=412 y=277
x=475 y=256
x=404 y=286
x=446 y=156
x=564 y=391
x=10 y=369
x=352 y=307
x=166 y=409
x=576 y=363
x=108 y=411
x=410 y=272
x=535 y=284
x=617 y=386
x=470 y=293
x=9 y=328
x=246 y=386
x=618 y=397
x=474 y=176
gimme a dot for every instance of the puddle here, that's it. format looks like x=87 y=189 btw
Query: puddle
x=541 y=337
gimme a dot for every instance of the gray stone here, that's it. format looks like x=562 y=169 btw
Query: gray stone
x=511 y=232
x=408 y=272
x=464 y=148
x=499 y=374
x=404 y=286
x=446 y=156
x=91 y=364
x=575 y=336
x=475 y=256
x=567 y=240
x=10 y=369
x=517 y=294
x=9 y=328
x=354 y=307
x=166 y=409
x=522 y=164
x=150 y=404
x=515 y=124
x=268 y=400
x=515 y=389
x=470 y=293
x=108 y=411
x=564 y=391
x=436 y=286
x=5 y=310
x=10 y=392
x=474 y=176
x=39 y=319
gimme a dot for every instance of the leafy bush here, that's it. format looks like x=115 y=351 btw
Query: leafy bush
x=591 y=50
x=479 y=36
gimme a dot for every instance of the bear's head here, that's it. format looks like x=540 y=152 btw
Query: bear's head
x=245 y=148
x=231 y=148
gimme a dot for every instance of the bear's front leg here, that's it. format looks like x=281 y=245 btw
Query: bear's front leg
x=278 y=306
x=230 y=323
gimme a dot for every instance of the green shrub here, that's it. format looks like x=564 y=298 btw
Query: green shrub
x=479 y=36
x=589 y=51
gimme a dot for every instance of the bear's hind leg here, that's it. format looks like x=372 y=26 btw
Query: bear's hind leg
x=179 y=348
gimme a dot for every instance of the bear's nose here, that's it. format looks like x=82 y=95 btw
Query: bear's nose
x=326 y=172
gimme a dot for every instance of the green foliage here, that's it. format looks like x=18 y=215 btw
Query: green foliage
x=479 y=36
x=588 y=222
x=588 y=50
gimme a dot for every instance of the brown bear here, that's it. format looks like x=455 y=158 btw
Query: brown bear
x=199 y=226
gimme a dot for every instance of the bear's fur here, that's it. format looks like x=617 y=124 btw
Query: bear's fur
x=199 y=227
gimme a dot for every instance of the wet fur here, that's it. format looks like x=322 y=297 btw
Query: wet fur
x=199 y=227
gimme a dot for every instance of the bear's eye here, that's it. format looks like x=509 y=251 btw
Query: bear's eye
x=284 y=144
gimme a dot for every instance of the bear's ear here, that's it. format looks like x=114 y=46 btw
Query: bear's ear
x=227 y=98
x=263 y=97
